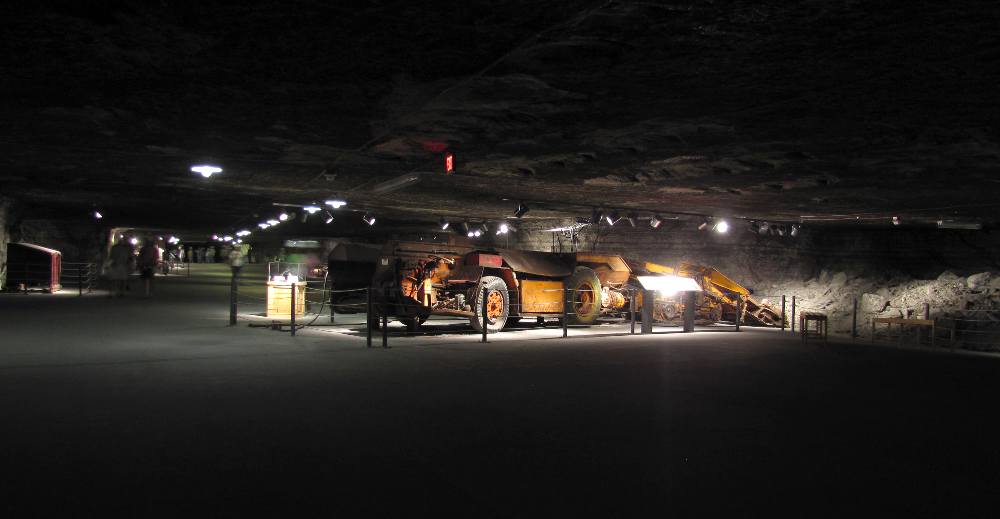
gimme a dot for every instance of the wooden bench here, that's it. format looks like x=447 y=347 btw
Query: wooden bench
x=903 y=323
x=822 y=325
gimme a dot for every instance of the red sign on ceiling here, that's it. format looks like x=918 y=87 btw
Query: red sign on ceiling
x=449 y=163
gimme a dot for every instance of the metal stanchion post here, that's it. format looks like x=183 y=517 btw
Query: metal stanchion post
x=565 y=310
x=631 y=310
x=293 y=309
x=368 y=318
x=739 y=313
x=854 y=320
x=483 y=307
x=793 y=314
x=79 y=280
x=783 y=316
x=648 y=303
x=385 y=320
x=232 y=299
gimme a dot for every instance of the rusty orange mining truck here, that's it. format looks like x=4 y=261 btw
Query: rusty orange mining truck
x=413 y=281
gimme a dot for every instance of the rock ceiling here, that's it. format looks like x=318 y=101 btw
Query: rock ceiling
x=767 y=110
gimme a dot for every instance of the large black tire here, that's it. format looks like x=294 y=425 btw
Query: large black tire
x=585 y=294
x=499 y=303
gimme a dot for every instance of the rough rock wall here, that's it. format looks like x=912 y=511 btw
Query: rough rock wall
x=892 y=272
x=4 y=239
x=78 y=241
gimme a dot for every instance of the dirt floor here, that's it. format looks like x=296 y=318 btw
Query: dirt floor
x=157 y=408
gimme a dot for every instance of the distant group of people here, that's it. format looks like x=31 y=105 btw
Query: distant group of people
x=124 y=259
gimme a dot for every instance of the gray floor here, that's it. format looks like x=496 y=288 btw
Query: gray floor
x=156 y=407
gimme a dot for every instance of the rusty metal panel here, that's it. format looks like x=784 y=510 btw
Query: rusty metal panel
x=543 y=297
x=537 y=263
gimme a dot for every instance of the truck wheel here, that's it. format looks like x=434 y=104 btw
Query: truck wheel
x=497 y=305
x=585 y=294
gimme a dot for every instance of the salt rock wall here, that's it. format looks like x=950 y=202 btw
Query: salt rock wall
x=892 y=272
x=4 y=239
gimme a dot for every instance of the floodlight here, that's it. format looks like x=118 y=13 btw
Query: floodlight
x=273 y=222
x=368 y=219
x=98 y=215
x=329 y=217
x=612 y=218
x=336 y=204
x=521 y=210
x=669 y=285
x=311 y=209
x=655 y=221
x=722 y=227
x=263 y=225
x=283 y=216
x=205 y=170
x=595 y=216
x=630 y=218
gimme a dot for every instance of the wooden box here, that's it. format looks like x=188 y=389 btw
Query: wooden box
x=279 y=299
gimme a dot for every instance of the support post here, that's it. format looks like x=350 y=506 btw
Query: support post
x=793 y=314
x=854 y=320
x=739 y=313
x=648 y=302
x=368 y=318
x=927 y=317
x=79 y=279
x=385 y=320
x=565 y=310
x=784 y=318
x=631 y=309
x=293 y=310
x=232 y=299
x=689 y=304
x=484 y=308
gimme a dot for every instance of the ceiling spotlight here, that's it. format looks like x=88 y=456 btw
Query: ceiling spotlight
x=336 y=204
x=484 y=227
x=702 y=226
x=272 y=222
x=722 y=227
x=595 y=216
x=477 y=233
x=764 y=228
x=444 y=224
x=521 y=210
x=135 y=241
x=630 y=218
x=216 y=237
x=230 y=238
x=244 y=232
x=98 y=216
x=368 y=219
x=793 y=233
x=264 y=225
x=781 y=230
x=753 y=227
x=503 y=229
x=895 y=220
x=329 y=217
x=311 y=209
x=655 y=221
x=612 y=218
x=466 y=229
x=205 y=170
x=283 y=217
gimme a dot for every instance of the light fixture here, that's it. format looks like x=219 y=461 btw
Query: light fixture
x=241 y=241
x=329 y=217
x=283 y=216
x=503 y=229
x=612 y=218
x=781 y=230
x=895 y=220
x=215 y=237
x=336 y=204
x=311 y=209
x=521 y=210
x=722 y=227
x=272 y=222
x=795 y=230
x=444 y=224
x=135 y=241
x=484 y=227
x=630 y=218
x=702 y=226
x=244 y=232
x=368 y=219
x=477 y=233
x=205 y=170
x=595 y=216
x=264 y=225
x=466 y=229
x=98 y=215
x=229 y=238
x=655 y=221
x=668 y=284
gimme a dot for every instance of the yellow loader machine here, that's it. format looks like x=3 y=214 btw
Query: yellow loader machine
x=414 y=281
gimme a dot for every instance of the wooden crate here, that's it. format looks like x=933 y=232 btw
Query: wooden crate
x=279 y=299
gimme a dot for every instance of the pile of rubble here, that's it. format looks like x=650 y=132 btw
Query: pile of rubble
x=973 y=300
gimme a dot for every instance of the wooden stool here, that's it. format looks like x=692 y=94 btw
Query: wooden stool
x=822 y=326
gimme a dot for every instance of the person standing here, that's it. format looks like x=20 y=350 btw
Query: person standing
x=120 y=266
x=210 y=254
x=236 y=261
x=149 y=254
